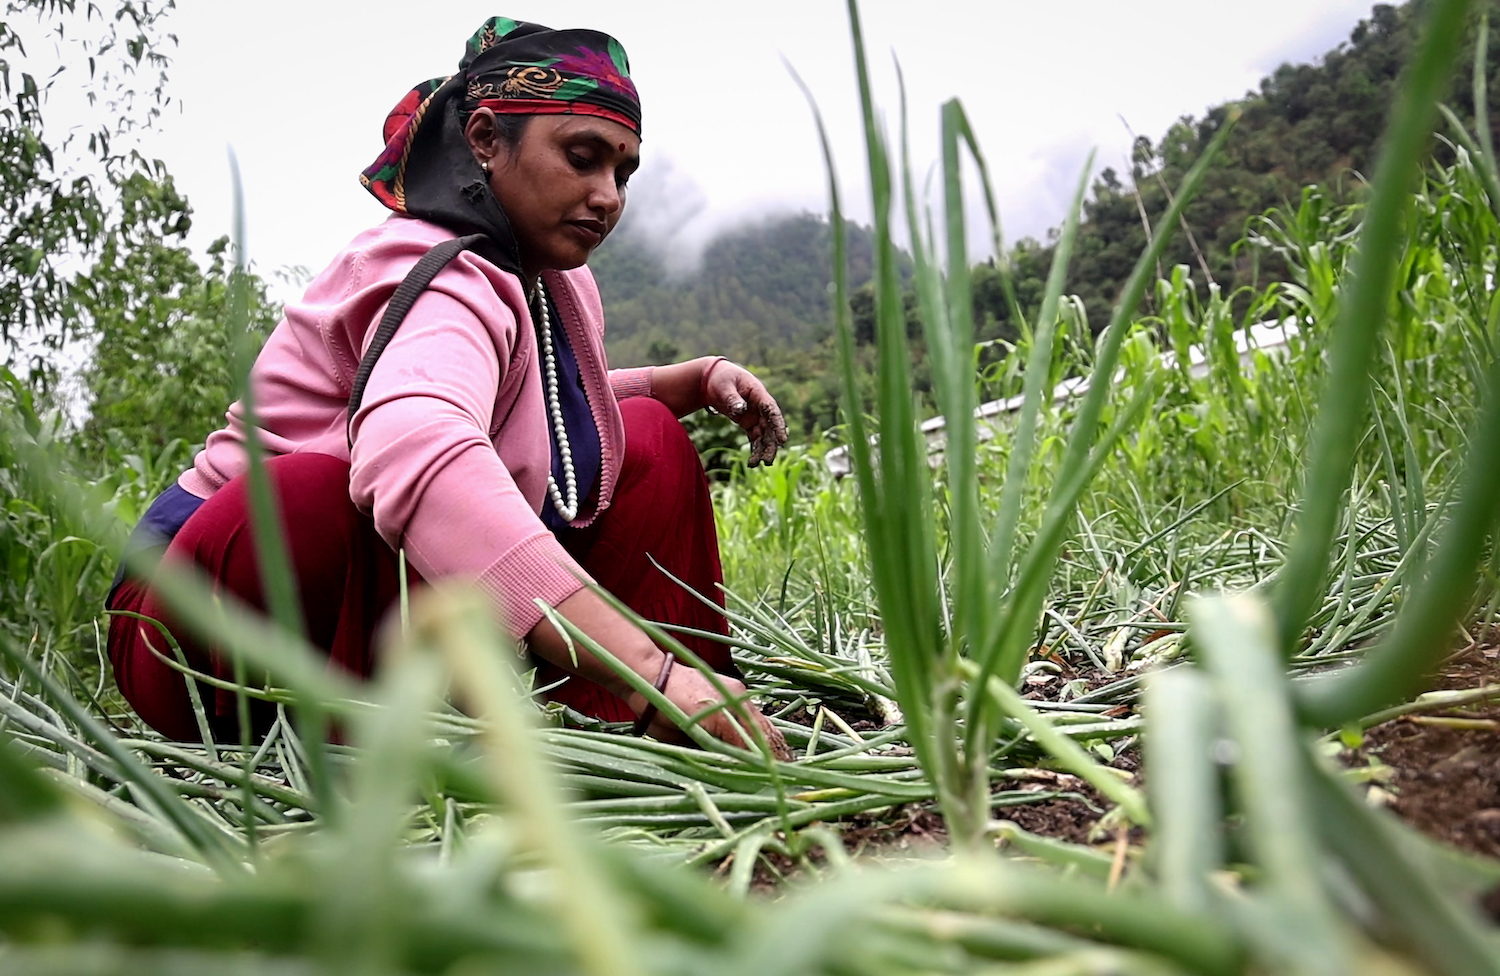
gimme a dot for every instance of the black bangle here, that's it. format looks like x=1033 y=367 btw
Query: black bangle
x=703 y=382
x=649 y=712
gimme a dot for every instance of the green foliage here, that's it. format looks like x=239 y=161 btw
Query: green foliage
x=1307 y=124
x=1232 y=435
x=158 y=378
x=161 y=365
x=437 y=840
x=60 y=193
x=58 y=547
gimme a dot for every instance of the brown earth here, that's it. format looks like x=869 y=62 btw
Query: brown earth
x=1442 y=772
x=1443 y=776
x=1444 y=766
x=1439 y=771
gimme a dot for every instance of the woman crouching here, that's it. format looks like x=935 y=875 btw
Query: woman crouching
x=470 y=422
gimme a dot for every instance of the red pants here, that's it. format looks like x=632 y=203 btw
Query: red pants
x=347 y=576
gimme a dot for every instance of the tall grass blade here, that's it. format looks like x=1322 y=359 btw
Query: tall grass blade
x=948 y=329
x=955 y=383
x=359 y=922
x=905 y=570
x=1005 y=646
x=1183 y=784
x=278 y=581
x=909 y=671
x=600 y=923
x=1038 y=367
x=1236 y=636
x=1480 y=87
x=1397 y=667
x=1361 y=316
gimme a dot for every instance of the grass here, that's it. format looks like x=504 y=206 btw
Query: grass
x=1344 y=504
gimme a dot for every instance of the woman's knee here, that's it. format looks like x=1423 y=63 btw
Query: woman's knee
x=321 y=474
x=310 y=489
x=654 y=435
x=318 y=524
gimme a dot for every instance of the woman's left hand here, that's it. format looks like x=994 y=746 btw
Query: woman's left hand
x=734 y=391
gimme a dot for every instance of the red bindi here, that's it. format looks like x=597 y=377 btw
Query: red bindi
x=622 y=147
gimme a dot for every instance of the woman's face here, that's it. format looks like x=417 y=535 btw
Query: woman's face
x=563 y=186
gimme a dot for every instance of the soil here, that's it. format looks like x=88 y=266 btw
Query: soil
x=1444 y=766
x=1064 y=818
x=909 y=829
x=1439 y=775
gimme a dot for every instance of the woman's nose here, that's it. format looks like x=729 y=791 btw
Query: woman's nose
x=606 y=197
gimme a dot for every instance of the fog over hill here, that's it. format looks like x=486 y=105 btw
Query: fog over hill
x=753 y=291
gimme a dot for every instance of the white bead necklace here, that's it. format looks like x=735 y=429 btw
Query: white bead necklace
x=566 y=507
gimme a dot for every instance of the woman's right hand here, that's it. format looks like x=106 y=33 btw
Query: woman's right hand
x=686 y=687
x=690 y=691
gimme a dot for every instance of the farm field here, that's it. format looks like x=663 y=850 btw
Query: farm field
x=1197 y=673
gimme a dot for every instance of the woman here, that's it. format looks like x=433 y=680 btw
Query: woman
x=487 y=441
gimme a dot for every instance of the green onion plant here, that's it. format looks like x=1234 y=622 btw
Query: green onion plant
x=434 y=820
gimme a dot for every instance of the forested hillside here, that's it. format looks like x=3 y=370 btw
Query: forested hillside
x=760 y=288
x=761 y=292
x=1308 y=124
x=759 y=295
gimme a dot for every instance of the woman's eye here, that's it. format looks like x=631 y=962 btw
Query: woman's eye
x=579 y=161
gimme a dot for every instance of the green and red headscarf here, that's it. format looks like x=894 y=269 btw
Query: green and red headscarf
x=509 y=67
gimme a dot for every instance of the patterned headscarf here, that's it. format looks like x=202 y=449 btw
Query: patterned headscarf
x=509 y=67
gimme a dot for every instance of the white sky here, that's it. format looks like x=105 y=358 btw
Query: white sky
x=300 y=90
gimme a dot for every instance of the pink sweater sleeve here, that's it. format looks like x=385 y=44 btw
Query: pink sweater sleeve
x=633 y=382
x=423 y=463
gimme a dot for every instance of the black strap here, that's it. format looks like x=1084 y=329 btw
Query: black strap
x=407 y=293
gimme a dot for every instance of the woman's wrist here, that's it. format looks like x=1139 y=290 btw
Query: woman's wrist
x=708 y=369
x=643 y=657
x=652 y=672
x=598 y=620
x=681 y=385
x=644 y=708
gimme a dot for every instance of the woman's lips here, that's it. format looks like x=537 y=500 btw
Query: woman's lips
x=587 y=232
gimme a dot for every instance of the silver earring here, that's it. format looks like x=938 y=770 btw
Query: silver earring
x=486 y=167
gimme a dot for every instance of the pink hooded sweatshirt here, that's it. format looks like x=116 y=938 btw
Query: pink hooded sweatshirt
x=451 y=443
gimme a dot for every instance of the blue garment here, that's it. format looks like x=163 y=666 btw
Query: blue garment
x=578 y=419
x=157 y=528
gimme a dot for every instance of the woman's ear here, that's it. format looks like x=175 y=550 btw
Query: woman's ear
x=482 y=137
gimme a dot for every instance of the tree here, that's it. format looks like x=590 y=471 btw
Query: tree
x=162 y=366
x=60 y=196
x=1306 y=124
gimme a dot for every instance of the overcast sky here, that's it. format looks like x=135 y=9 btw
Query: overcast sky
x=300 y=88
